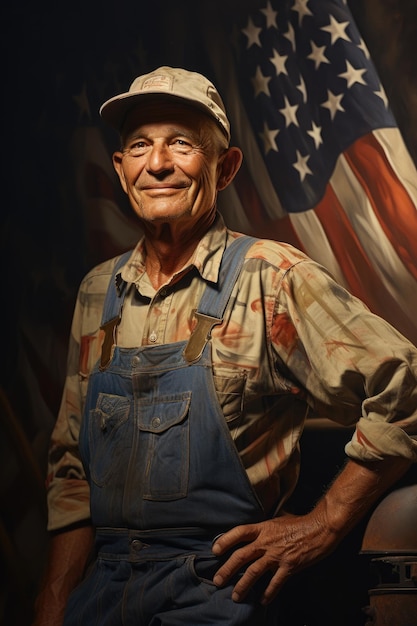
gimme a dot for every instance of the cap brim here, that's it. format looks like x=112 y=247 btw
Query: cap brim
x=115 y=110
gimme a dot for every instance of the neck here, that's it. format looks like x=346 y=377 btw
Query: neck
x=168 y=250
x=163 y=262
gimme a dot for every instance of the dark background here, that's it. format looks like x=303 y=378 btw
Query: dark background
x=60 y=61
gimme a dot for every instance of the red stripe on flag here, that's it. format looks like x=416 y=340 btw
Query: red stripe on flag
x=361 y=278
x=280 y=229
x=249 y=196
x=390 y=201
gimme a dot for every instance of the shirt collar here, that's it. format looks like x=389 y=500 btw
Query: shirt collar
x=206 y=258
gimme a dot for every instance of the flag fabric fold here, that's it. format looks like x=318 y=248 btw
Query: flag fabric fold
x=325 y=165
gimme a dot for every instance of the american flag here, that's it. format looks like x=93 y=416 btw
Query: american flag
x=325 y=165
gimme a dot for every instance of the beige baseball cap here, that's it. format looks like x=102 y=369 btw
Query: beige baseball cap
x=190 y=87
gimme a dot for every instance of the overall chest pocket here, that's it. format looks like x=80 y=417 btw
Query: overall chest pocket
x=109 y=436
x=165 y=446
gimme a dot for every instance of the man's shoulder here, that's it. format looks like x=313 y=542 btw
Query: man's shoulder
x=97 y=279
x=276 y=253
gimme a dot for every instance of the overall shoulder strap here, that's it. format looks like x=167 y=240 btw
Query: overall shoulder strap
x=215 y=297
x=113 y=300
x=112 y=309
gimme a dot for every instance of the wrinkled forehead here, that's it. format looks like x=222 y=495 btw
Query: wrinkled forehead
x=165 y=111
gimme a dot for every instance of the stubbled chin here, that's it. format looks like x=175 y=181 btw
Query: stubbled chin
x=163 y=212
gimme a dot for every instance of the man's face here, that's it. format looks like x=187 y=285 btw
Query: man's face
x=170 y=164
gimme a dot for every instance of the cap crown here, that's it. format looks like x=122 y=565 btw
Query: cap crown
x=183 y=85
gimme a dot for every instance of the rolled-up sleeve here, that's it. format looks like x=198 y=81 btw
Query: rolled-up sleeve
x=68 y=492
x=356 y=368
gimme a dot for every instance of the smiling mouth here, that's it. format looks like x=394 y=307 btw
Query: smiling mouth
x=163 y=189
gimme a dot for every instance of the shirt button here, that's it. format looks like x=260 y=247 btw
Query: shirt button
x=163 y=292
x=156 y=421
x=153 y=337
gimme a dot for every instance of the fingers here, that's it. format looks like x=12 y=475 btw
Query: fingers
x=259 y=566
x=238 y=534
x=251 y=576
x=253 y=558
x=275 y=585
x=240 y=555
x=234 y=564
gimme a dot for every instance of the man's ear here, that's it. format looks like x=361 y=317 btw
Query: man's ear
x=117 y=164
x=229 y=164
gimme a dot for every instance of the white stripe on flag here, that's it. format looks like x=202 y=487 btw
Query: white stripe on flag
x=399 y=159
x=310 y=231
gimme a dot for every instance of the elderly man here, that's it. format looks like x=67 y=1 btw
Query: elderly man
x=194 y=363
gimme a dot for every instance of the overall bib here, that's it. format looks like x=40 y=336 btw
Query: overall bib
x=165 y=479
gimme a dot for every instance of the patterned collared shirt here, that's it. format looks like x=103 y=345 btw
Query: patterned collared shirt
x=293 y=344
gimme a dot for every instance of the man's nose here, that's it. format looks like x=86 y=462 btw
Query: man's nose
x=160 y=158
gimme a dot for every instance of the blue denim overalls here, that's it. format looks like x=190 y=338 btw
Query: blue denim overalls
x=165 y=479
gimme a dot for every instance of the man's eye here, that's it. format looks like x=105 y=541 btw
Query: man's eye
x=136 y=148
x=181 y=144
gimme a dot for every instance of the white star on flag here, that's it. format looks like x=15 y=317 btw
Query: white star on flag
x=353 y=75
x=252 y=33
x=268 y=137
x=317 y=55
x=337 y=30
x=333 y=103
x=301 y=165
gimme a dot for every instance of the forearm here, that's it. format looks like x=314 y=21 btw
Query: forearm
x=287 y=544
x=355 y=490
x=68 y=554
